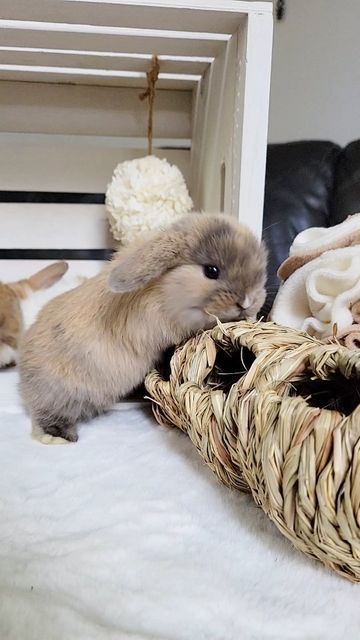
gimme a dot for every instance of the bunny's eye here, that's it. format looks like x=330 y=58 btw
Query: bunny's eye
x=211 y=271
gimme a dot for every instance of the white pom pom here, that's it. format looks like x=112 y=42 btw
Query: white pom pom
x=145 y=194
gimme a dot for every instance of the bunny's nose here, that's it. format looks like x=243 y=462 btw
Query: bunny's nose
x=245 y=304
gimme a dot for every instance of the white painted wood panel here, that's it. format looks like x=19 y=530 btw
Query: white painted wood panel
x=53 y=226
x=203 y=15
x=17 y=33
x=230 y=125
x=251 y=121
x=101 y=60
x=89 y=110
x=82 y=164
x=213 y=133
x=98 y=77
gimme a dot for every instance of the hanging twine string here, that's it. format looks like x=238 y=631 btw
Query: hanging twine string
x=152 y=76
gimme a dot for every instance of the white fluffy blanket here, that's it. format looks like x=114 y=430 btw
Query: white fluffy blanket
x=320 y=293
x=127 y=536
x=317 y=239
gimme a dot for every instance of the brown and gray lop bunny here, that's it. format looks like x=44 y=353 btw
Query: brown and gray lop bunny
x=94 y=344
x=11 y=317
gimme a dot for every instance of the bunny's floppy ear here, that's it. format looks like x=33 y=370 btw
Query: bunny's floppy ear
x=48 y=276
x=135 y=266
x=41 y=280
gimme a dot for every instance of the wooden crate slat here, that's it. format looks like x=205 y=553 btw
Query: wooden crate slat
x=56 y=226
x=251 y=122
x=107 y=60
x=96 y=77
x=89 y=110
x=81 y=164
x=207 y=15
x=83 y=38
x=230 y=126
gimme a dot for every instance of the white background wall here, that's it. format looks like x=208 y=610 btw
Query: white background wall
x=315 y=91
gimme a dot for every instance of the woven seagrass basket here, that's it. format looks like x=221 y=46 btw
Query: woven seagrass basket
x=277 y=412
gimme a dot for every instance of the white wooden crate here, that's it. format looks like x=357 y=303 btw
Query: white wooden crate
x=70 y=74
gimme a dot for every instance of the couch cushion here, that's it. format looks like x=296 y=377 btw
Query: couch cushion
x=298 y=193
x=346 y=198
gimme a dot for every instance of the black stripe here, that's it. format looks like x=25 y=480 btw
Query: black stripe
x=52 y=197
x=56 y=254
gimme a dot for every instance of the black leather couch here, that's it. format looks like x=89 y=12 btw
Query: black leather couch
x=308 y=184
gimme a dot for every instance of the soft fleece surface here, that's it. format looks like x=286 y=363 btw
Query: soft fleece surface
x=126 y=535
x=320 y=294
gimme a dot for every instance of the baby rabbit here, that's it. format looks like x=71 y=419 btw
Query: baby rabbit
x=11 y=319
x=93 y=345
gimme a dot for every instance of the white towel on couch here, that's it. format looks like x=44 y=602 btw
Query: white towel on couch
x=320 y=238
x=320 y=293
